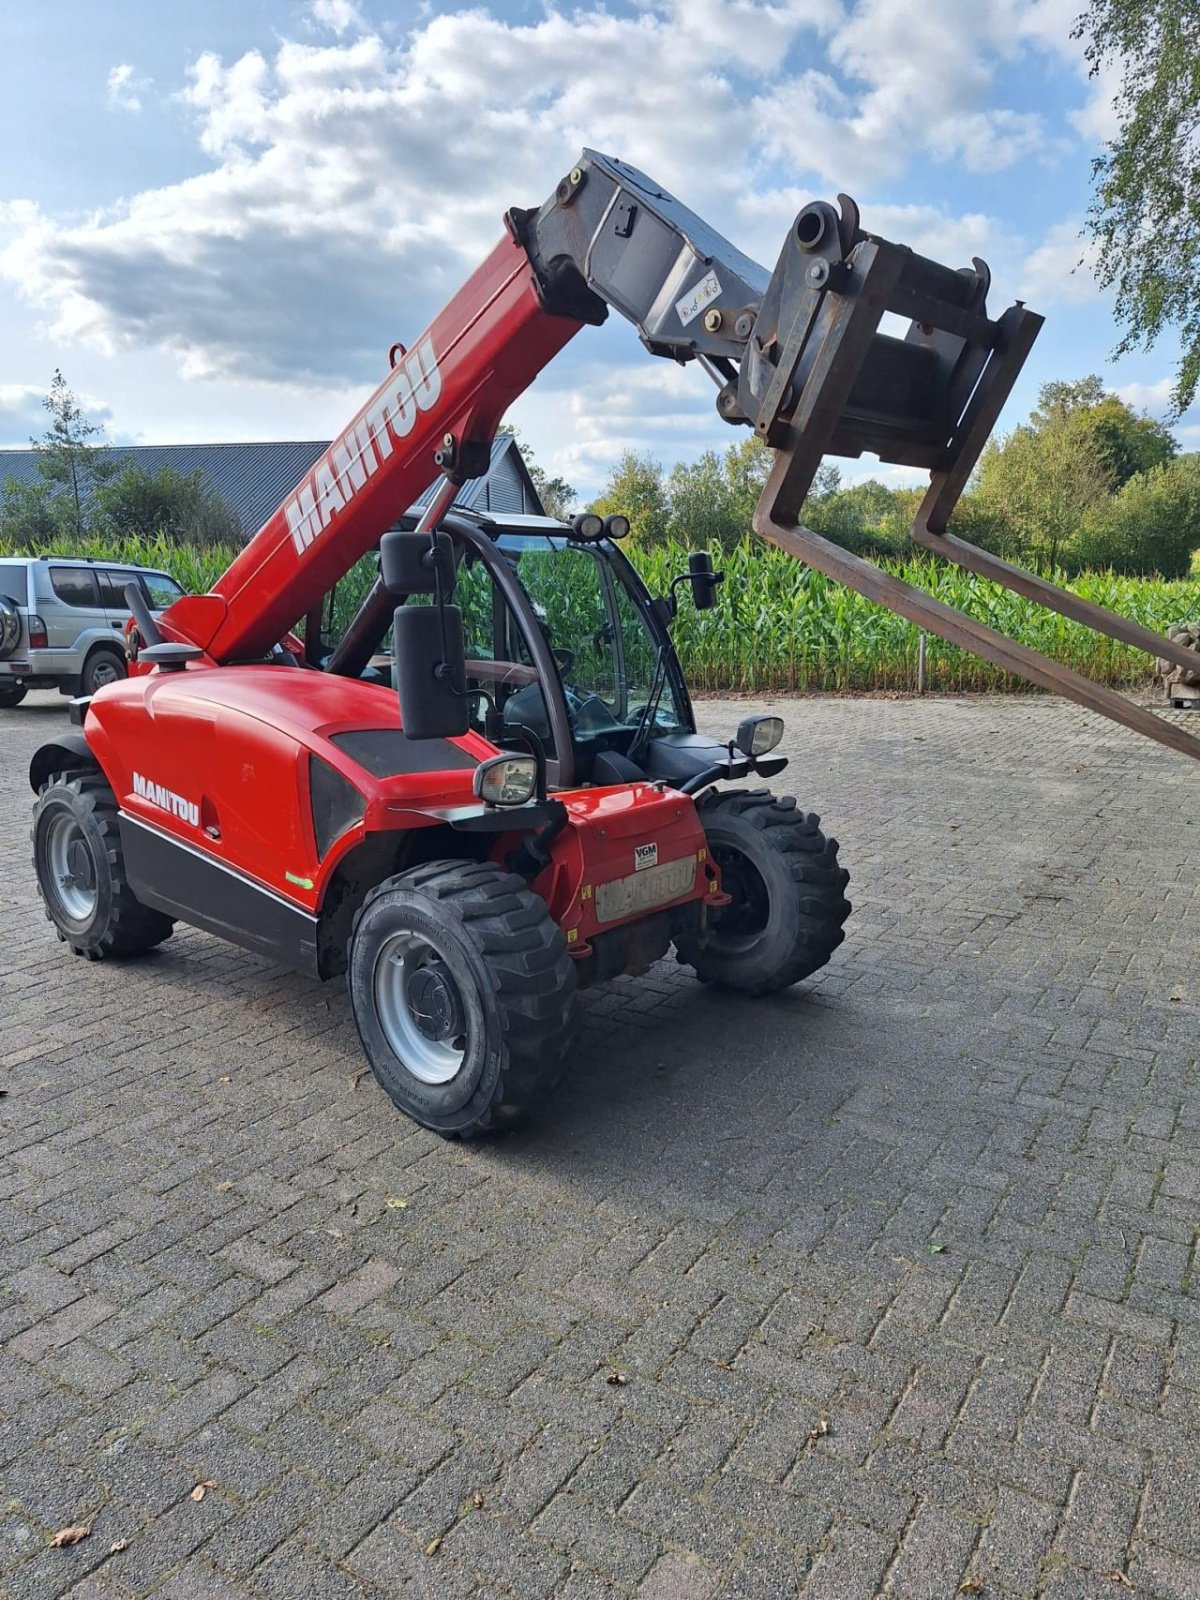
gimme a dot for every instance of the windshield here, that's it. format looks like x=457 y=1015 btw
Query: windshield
x=607 y=656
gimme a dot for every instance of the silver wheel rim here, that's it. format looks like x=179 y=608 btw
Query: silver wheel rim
x=72 y=867
x=419 y=1008
x=104 y=673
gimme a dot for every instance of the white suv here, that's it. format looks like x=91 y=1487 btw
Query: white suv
x=62 y=622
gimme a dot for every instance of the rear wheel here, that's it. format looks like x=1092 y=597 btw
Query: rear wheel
x=787 y=906
x=11 y=694
x=463 y=994
x=102 y=667
x=81 y=872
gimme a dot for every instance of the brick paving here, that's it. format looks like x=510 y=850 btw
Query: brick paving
x=899 y=1268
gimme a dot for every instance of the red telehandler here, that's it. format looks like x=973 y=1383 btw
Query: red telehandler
x=515 y=801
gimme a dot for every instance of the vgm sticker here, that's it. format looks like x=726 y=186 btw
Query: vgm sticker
x=644 y=855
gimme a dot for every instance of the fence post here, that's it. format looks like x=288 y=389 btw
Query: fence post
x=921 y=661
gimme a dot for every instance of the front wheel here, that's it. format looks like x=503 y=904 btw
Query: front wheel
x=463 y=995
x=81 y=871
x=787 y=905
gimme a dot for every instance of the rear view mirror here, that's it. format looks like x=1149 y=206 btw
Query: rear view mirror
x=410 y=563
x=430 y=670
x=703 y=580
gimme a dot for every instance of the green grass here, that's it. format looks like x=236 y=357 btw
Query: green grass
x=779 y=625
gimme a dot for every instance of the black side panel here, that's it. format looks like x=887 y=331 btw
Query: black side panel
x=186 y=884
x=336 y=804
x=386 y=752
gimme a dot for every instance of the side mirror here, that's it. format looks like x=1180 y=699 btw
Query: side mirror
x=430 y=670
x=703 y=580
x=410 y=563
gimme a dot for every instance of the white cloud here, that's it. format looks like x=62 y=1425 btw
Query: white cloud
x=124 y=89
x=1152 y=397
x=352 y=180
x=338 y=15
x=1061 y=270
x=22 y=415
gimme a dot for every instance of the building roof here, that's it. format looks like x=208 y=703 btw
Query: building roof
x=254 y=479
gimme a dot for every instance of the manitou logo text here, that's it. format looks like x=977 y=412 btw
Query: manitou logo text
x=414 y=385
x=187 y=810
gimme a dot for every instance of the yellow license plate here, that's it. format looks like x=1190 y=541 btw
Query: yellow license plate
x=654 y=886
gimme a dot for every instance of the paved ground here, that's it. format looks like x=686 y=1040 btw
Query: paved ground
x=899 y=1269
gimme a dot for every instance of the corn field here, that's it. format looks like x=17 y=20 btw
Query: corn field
x=778 y=625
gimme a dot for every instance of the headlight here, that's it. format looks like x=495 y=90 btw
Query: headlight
x=506 y=780
x=616 y=526
x=587 y=525
x=757 y=735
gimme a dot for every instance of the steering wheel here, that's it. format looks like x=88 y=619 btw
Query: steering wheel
x=565 y=658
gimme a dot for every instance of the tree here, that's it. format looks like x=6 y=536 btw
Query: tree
x=1036 y=488
x=66 y=454
x=179 y=506
x=635 y=488
x=31 y=515
x=1145 y=212
x=1151 y=526
x=704 y=510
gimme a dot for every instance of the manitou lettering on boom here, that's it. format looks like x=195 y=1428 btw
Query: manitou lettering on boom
x=413 y=385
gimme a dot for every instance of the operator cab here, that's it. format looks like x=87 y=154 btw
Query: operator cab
x=564 y=645
x=616 y=677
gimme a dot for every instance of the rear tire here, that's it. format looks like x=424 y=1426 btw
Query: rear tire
x=788 y=907
x=11 y=695
x=81 y=871
x=102 y=667
x=463 y=995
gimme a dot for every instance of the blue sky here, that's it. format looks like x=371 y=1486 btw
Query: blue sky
x=216 y=217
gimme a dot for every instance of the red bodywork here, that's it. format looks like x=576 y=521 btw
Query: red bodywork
x=217 y=758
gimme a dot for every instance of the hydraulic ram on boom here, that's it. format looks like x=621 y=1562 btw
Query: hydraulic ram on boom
x=796 y=353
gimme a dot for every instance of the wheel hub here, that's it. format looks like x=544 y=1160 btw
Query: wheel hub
x=434 y=1002
x=420 y=1008
x=746 y=914
x=72 y=868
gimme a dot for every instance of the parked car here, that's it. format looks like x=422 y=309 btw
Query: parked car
x=62 y=622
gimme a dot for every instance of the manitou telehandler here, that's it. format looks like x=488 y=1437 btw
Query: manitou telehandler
x=514 y=800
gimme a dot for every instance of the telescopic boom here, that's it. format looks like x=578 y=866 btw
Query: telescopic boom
x=796 y=354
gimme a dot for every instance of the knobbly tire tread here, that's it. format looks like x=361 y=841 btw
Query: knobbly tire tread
x=811 y=859
x=524 y=950
x=131 y=928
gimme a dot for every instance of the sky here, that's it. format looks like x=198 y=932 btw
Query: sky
x=216 y=216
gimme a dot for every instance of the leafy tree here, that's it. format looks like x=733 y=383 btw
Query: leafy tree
x=636 y=489
x=1152 y=525
x=704 y=510
x=180 y=506
x=67 y=453
x=31 y=515
x=1036 y=488
x=1145 y=213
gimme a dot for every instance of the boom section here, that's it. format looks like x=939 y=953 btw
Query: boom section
x=436 y=411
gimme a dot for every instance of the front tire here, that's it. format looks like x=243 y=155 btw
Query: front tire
x=81 y=871
x=11 y=695
x=785 y=918
x=463 y=995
